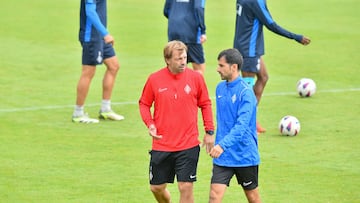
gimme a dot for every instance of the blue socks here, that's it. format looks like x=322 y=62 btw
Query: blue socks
x=250 y=81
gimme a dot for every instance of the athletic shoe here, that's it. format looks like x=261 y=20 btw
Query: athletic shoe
x=84 y=119
x=259 y=129
x=110 y=116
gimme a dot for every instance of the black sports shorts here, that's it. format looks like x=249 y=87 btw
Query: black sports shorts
x=94 y=53
x=195 y=53
x=247 y=177
x=165 y=165
x=251 y=65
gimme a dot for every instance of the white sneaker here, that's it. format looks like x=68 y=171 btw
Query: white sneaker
x=84 y=119
x=111 y=116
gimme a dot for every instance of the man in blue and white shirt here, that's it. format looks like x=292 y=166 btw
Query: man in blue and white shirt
x=236 y=143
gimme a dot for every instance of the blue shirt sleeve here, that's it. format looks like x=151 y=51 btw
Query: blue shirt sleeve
x=167 y=8
x=200 y=14
x=265 y=18
x=91 y=13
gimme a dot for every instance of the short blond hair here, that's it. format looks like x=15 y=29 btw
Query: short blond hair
x=173 y=45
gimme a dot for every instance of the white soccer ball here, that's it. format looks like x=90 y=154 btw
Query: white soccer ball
x=306 y=87
x=289 y=125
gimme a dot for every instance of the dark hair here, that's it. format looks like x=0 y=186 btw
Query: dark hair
x=232 y=56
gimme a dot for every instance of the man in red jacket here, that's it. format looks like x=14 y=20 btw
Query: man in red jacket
x=177 y=92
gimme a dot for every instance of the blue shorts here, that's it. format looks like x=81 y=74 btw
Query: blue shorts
x=247 y=177
x=165 y=165
x=94 y=53
x=251 y=65
x=195 y=53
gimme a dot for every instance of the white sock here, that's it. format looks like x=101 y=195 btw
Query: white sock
x=78 y=110
x=105 y=105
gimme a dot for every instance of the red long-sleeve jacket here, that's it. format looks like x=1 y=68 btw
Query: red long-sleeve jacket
x=176 y=99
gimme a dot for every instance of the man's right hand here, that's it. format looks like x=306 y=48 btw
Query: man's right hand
x=109 y=39
x=153 y=132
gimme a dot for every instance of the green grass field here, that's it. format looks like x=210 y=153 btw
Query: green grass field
x=44 y=157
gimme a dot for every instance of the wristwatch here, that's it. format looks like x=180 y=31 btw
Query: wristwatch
x=210 y=132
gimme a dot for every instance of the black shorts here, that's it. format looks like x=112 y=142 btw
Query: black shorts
x=195 y=53
x=93 y=53
x=247 y=177
x=165 y=165
x=251 y=65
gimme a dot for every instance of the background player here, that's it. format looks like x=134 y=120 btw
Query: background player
x=186 y=23
x=251 y=16
x=97 y=47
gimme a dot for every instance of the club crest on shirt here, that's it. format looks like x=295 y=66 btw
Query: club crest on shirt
x=187 y=89
x=233 y=98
